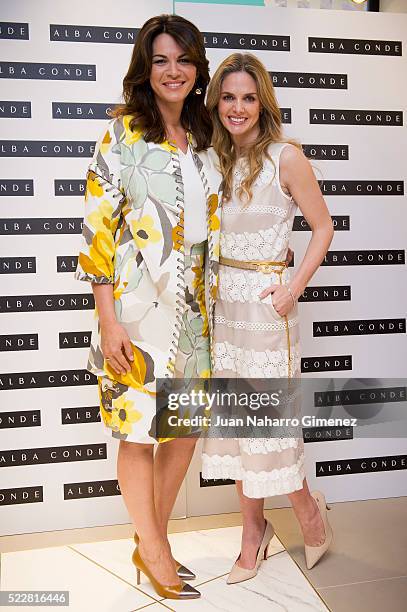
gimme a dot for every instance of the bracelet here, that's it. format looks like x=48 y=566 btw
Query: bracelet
x=291 y=293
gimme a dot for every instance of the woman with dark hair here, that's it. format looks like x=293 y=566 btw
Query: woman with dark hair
x=256 y=326
x=150 y=217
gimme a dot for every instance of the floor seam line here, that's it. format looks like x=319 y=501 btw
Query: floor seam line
x=227 y=573
x=115 y=575
x=333 y=586
x=306 y=577
x=152 y=604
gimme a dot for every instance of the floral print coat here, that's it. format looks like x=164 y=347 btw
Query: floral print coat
x=133 y=238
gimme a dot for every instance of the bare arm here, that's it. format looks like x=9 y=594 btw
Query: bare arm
x=297 y=176
x=115 y=342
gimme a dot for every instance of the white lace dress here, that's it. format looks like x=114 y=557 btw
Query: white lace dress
x=250 y=338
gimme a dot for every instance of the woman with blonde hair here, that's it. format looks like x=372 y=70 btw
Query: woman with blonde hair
x=256 y=328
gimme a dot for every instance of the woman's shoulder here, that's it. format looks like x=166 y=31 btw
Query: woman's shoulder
x=107 y=155
x=118 y=129
x=286 y=154
x=275 y=149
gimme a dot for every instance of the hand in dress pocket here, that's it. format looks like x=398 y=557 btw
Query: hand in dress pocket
x=281 y=300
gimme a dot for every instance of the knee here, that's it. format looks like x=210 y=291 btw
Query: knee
x=135 y=448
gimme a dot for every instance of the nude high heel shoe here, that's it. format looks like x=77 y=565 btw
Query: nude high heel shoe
x=239 y=574
x=183 y=572
x=314 y=553
x=175 y=591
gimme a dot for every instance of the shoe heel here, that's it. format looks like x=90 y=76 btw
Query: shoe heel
x=314 y=553
x=138 y=577
x=239 y=574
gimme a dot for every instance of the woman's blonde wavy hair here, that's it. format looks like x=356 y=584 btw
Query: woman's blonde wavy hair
x=269 y=123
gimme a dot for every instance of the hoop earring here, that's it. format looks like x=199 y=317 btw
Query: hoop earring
x=198 y=91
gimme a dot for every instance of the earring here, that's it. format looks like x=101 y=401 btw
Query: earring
x=198 y=91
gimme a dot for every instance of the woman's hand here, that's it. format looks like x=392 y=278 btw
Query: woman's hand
x=116 y=347
x=281 y=300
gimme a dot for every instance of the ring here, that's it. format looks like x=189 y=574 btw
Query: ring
x=107 y=358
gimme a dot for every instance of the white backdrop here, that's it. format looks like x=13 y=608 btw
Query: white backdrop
x=375 y=228
x=377 y=223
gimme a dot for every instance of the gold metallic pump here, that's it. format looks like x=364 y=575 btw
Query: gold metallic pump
x=183 y=572
x=175 y=591
x=239 y=574
x=314 y=553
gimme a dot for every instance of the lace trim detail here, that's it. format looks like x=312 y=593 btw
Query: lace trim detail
x=246 y=285
x=255 y=484
x=242 y=210
x=221 y=466
x=255 y=364
x=263 y=446
x=267 y=175
x=254 y=325
x=264 y=244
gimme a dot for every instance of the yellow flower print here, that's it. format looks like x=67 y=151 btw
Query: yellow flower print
x=124 y=414
x=99 y=262
x=131 y=136
x=214 y=222
x=100 y=218
x=106 y=416
x=93 y=185
x=213 y=203
x=117 y=290
x=144 y=232
x=168 y=146
x=177 y=233
x=137 y=375
x=107 y=139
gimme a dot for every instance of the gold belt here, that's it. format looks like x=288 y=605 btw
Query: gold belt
x=260 y=266
x=267 y=267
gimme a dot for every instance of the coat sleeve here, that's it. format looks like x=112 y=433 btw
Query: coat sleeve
x=103 y=205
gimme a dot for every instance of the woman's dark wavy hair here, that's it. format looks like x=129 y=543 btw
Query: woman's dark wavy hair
x=139 y=98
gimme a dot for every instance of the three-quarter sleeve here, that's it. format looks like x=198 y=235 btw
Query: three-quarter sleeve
x=103 y=198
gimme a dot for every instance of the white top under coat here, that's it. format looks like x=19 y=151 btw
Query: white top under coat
x=194 y=200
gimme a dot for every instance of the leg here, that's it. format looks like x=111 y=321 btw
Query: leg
x=171 y=462
x=136 y=478
x=253 y=527
x=308 y=515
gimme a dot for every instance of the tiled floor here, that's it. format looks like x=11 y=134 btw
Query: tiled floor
x=366 y=567
x=365 y=571
x=100 y=576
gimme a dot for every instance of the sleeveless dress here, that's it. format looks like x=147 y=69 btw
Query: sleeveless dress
x=251 y=340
